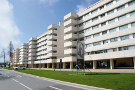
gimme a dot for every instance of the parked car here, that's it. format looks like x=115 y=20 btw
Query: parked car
x=20 y=68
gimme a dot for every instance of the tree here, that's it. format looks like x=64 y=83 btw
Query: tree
x=3 y=53
x=10 y=52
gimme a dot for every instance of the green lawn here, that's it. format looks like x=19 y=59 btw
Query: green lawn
x=9 y=68
x=116 y=81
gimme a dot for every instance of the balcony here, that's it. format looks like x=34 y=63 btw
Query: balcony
x=32 y=43
x=52 y=32
x=70 y=51
x=70 y=22
x=70 y=16
x=32 y=54
x=70 y=36
x=111 y=55
x=32 y=46
x=51 y=55
x=32 y=58
x=50 y=49
x=70 y=29
x=70 y=58
x=52 y=37
x=70 y=43
x=50 y=43
x=52 y=26
x=32 y=50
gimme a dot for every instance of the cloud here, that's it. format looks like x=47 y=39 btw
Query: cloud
x=83 y=5
x=8 y=29
x=49 y=2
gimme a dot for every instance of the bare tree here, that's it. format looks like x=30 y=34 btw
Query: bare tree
x=3 y=54
x=10 y=52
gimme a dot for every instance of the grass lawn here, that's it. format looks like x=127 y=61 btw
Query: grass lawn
x=116 y=81
x=9 y=68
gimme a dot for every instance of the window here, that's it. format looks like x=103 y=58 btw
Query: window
x=94 y=11
x=121 y=7
x=110 y=3
x=114 y=40
x=81 y=24
x=88 y=37
x=94 y=19
x=98 y=52
x=88 y=29
x=133 y=35
x=123 y=48
x=105 y=41
x=110 y=12
x=97 y=26
x=122 y=17
x=104 y=32
x=81 y=32
x=123 y=27
x=81 y=39
x=102 y=15
x=96 y=35
x=87 y=22
x=97 y=43
x=133 y=24
x=132 y=13
x=124 y=37
x=111 y=21
x=89 y=45
x=102 y=24
x=101 y=7
x=114 y=49
x=117 y=0
x=131 y=3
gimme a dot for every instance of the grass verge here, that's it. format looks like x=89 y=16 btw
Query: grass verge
x=9 y=68
x=116 y=81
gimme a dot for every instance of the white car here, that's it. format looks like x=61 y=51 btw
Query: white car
x=20 y=68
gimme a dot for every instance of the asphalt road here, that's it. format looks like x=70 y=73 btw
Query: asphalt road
x=10 y=80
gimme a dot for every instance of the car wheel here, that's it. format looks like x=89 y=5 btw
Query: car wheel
x=16 y=69
x=23 y=68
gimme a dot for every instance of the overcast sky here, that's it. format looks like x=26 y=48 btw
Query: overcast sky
x=22 y=19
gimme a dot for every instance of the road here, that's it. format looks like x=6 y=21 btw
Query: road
x=11 y=80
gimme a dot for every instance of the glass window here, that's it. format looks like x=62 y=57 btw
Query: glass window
x=121 y=7
x=97 y=43
x=94 y=19
x=97 y=26
x=110 y=12
x=132 y=13
x=102 y=24
x=89 y=45
x=112 y=30
x=124 y=37
x=114 y=49
x=88 y=37
x=117 y=0
x=102 y=15
x=105 y=41
x=111 y=21
x=88 y=29
x=94 y=11
x=131 y=3
x=80 y=32
x=133 y=35
x=96 y=35
x=123 y=27
x=104 y=32
x=87 y=22
x=122 y=17
x=98 y=52
x=114 y=39
x=110 y=3
x=133 y=24
x=81 y=39
x=101 y=7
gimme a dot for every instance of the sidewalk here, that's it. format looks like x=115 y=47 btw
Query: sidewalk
x=94 y=70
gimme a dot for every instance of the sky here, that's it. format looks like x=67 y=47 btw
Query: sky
x=22 y=19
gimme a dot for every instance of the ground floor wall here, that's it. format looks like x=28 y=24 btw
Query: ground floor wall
x=118 y=63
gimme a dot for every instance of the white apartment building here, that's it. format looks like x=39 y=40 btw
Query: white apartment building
x=23 y=57
x=15 y=57
x=46 y=50
x=107 y=28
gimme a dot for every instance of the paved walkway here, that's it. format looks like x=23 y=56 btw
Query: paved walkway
x=95 y=70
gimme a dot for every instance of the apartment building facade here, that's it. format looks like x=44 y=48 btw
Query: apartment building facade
x=16 y=54
x=107 y=30
x=23 y=56
x=45 y=50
